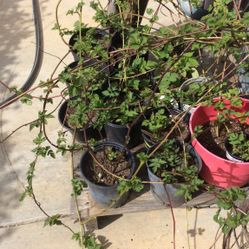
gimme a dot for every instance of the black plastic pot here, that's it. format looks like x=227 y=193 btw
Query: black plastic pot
x=104 y=195
x=162 y=192
x=148 y=140
x=88 y=63
x=99 y=34
x=117 y=133
x=79 y=133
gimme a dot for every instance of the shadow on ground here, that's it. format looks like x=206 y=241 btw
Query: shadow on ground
x=10 y=189
x=17 y=25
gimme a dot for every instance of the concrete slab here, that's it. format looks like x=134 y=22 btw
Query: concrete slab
x=150 y=230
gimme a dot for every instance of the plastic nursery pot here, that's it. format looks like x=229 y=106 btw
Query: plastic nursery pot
x=87 y=63
x=162 y=192
x=150 y=141
x=103 y=194
x=79 y=133
x=216 y=170
x=193 y=12
x=99 y=35
x=117 y=133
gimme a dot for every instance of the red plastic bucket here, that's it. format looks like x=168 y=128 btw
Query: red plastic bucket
x=216 y=170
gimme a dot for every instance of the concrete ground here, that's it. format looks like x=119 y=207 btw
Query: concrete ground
x=149 y=230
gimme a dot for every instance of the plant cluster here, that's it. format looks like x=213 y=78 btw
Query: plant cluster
x=130 y=75
x=231 y=120
x=174 y=164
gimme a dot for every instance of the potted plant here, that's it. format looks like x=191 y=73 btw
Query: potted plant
x=173 y=172
x=217 y=169
x=129 y=84
x=155 y=125
x=103 y=167
x=79 y=123
x=158 y=122
x=88 y=38
x=85 y=76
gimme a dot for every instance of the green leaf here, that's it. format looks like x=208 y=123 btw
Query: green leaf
x=39 y=139
x=133 y=184
x=34 y=124
x=149 y=11
x=142 y=156
x=90 y=242
x=26 y=99
x=53 y=220
x=78 y=186
x=167 y=80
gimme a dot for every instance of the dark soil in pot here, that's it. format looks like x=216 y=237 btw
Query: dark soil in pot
x=115 y=158
x=118 y=166
x=80 y=133
x=216 y=143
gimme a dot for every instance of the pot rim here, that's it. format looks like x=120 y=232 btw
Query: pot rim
x=72 y=41
x=65 y=124
x=188 y=82
x=117 y=126
x=99 y=146
x=185 y=86
x=189 y=149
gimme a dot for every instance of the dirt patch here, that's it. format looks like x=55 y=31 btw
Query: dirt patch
x=114 y=161
x=213 y=136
